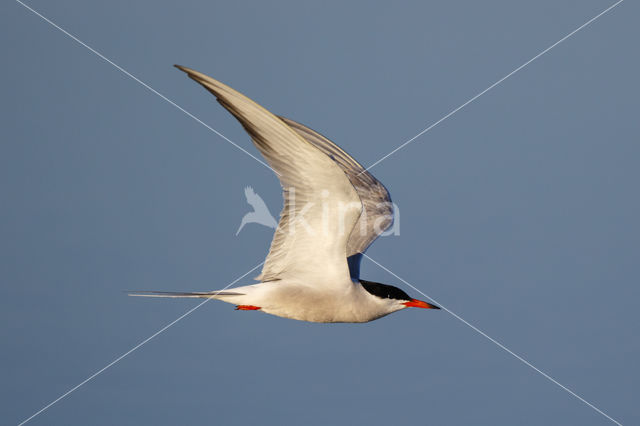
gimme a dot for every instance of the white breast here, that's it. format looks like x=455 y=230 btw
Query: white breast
x=346 y=302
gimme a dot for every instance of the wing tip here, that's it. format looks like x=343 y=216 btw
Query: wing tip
x=193 y=74
x=182 y=68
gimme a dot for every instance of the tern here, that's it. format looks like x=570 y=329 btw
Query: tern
x=333 y=210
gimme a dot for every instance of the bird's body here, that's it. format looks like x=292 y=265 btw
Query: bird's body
x=306 y=301
x=310 y=301
x=333 y=210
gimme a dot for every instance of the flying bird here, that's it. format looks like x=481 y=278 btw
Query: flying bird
x=260 y=213
x=333 y=210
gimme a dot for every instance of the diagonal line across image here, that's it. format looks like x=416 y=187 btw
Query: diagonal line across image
x=494 y=341
x=452 y=112
x=145 y=85
x=263 y=163
x=133 y=349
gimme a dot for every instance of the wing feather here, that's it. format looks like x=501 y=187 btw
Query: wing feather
x=321 y=206
x=377 y=213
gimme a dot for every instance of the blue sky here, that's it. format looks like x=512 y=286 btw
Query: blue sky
x=519 y=213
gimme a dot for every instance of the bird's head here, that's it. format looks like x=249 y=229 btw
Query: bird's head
x=395 y=296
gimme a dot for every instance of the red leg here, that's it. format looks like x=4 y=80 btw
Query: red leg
x=247 y=308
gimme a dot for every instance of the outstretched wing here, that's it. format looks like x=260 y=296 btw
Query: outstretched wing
x=377 y=209
x=321 y=205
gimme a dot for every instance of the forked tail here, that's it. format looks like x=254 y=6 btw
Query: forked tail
x=194 y=294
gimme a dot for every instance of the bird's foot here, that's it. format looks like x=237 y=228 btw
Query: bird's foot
x=247 y=308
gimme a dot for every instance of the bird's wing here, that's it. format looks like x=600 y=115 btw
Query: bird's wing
x=377 y=209
x=321 y=205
